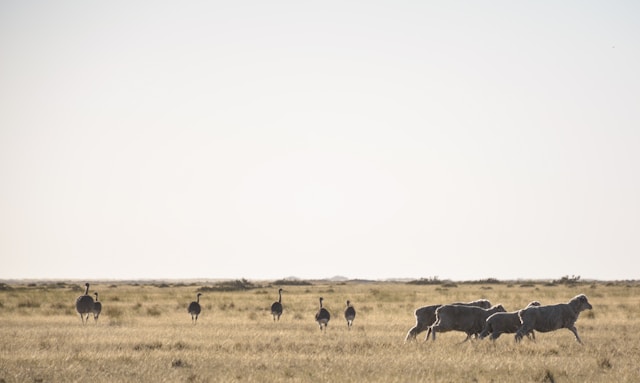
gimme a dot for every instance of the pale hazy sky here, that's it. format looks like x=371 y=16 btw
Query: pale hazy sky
x=369 y=139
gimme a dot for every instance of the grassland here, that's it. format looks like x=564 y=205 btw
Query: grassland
x=145 y=335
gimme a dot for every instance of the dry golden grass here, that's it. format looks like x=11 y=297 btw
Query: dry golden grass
x=145 y=335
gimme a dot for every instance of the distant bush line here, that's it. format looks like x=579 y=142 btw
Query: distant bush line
x=235 y=285
x=565 y=280
x=292 y=282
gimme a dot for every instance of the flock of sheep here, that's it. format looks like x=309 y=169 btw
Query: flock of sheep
x=478 y=318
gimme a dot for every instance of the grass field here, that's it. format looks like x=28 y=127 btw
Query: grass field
x=145 y=334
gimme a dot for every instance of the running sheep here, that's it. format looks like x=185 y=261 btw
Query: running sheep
x=504 y=323
x=468 y=319
x=553 y=317
x=426 y=316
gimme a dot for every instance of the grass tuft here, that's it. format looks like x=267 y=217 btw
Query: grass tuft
x=154 y=311
x=148 y=346
x=29 y=304
x=605 y=363
x=178 y=363
x=179 y=346
x=113 y=312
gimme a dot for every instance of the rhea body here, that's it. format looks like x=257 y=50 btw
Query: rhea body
x=322 y=316
x=349 y=314
x=97 y=307
x=84 y=304
x=195 y=309
x=276 y=307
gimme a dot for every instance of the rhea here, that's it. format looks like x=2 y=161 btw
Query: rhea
x=194 y=308
x=349 y=314
x=84 y=304
x=322 y=316
x=97 y=307
x=276 y=307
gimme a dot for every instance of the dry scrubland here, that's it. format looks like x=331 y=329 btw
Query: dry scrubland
x=145 y=335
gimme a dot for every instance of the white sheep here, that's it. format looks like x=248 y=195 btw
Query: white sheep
x=504 y=323
x=426 y=316
x=468 y=319
x=553 y=317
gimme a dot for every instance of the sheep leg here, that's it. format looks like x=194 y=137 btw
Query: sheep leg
x=415 y=330
x=574 y=330
x=411 y=335
x=428 y=333
x=485 y=331
x=532 y=336
x=521 y=332
x=466 y=339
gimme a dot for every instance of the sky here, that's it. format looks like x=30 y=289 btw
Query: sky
x=460 y=140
